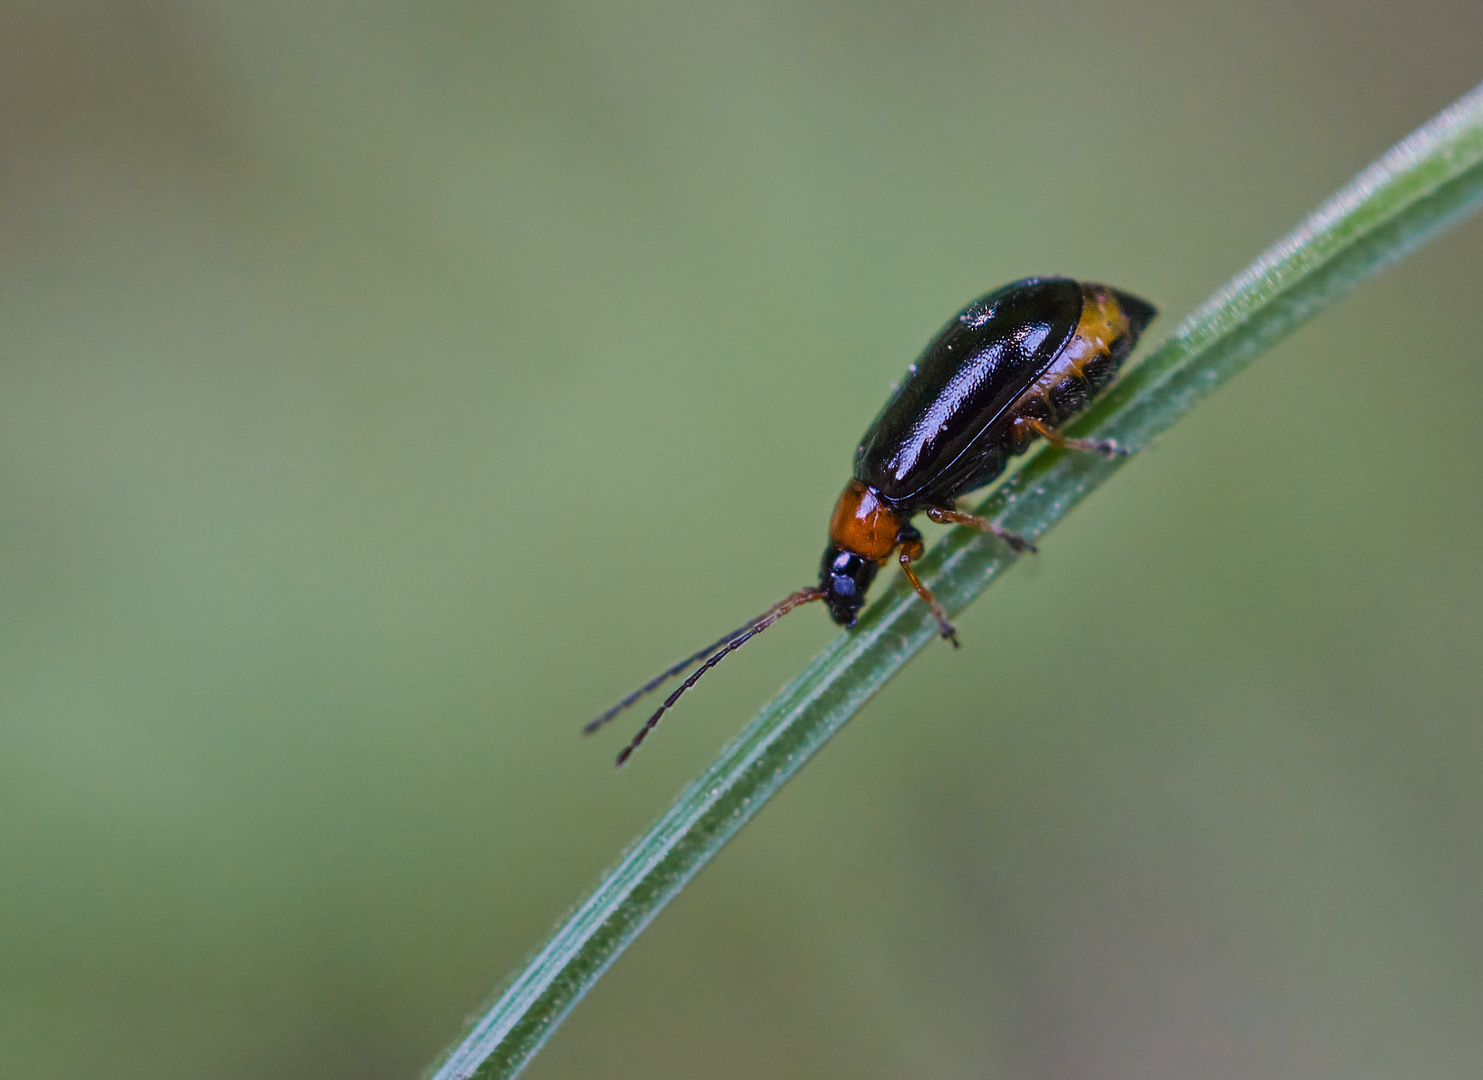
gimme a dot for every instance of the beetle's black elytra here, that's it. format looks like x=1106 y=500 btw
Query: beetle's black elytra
x=1011 y=367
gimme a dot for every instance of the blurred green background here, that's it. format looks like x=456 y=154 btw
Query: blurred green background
x=385 y=388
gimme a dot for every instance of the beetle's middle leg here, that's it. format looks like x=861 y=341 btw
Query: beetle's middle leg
x=944 y=516
x=1108 y=448
x=911 y=549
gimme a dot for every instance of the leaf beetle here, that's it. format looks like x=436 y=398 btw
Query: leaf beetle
x=1010 y=368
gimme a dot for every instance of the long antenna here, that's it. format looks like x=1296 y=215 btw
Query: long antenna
x=592 y=725
x=730 y=643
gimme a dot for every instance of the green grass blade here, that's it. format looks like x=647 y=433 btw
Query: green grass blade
x=1420 y=188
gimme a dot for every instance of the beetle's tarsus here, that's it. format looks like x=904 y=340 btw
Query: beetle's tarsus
x=1017 y=543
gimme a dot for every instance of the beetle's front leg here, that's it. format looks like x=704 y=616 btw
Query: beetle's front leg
x=911 y=550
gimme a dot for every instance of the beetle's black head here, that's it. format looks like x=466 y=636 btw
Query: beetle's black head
x=845 y=578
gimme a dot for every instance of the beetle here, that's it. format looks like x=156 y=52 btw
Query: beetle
x=1010 y=368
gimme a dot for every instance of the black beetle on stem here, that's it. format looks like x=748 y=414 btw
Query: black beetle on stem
x=1011 y=367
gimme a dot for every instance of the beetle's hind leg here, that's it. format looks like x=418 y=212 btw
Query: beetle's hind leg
x=911 y=549
x=943 y=516
x=1108 y=448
